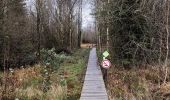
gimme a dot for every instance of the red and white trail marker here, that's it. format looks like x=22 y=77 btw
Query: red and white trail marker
x=106 y=64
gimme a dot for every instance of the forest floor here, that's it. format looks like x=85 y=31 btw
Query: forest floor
x=142 y=83
x=28 y=83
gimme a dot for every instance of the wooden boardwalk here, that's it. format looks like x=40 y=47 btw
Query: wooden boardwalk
x=94 y=87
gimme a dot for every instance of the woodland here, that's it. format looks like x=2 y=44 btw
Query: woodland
x=24 y=30
x=136 y=33
x=44 y=40
x=138 y=30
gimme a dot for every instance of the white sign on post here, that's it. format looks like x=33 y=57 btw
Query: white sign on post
x=106 y=64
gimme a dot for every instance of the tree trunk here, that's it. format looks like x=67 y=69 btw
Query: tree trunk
x=167 y=41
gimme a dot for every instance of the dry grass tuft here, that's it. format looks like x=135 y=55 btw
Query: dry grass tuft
x=29 y=92
x=30 y=83
x=140 y=84
x=27 y=73
x=26 y=83
x=56 y=93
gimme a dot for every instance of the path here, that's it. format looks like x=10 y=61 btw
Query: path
x=94 y=87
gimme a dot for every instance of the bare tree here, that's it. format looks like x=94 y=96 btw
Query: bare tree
x=39 y=13
x=167 y=11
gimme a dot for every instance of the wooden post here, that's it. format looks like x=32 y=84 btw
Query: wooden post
x=106 y=70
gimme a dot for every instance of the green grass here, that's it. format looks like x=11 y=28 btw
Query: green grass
x=74 y=72
x=65 y=83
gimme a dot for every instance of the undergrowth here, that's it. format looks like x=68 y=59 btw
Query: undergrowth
x=139 y=84
x=58 y=77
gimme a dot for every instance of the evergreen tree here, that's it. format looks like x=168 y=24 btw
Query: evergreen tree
x=15 y=30
x=1 y=32
x=134 y=30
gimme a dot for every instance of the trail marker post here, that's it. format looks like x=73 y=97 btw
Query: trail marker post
x=106 y=64
x=106 y=54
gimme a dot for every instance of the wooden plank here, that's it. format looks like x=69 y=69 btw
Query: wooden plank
x=95 y=98
x=94 y=87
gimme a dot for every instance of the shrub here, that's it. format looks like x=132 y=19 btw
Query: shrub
x=49 y=57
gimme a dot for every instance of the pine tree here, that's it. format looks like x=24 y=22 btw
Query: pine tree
x=1 y=32
x=16 y=31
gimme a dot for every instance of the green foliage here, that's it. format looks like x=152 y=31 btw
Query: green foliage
x=130 y=28
x=99 y=55
x=49 y=57
x=13 y=26
x=73 y=71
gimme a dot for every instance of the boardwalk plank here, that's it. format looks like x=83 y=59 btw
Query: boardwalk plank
x=94 y=87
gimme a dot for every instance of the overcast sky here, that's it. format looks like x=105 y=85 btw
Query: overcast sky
x=87 y=10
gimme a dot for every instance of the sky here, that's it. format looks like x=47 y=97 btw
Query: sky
x=88 y=19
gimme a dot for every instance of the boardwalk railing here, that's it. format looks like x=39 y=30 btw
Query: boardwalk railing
x=94 y=87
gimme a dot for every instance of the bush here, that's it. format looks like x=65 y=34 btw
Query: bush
x=50 y=57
